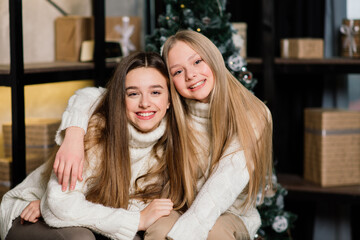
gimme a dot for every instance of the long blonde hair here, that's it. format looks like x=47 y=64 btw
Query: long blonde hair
x=233 y=108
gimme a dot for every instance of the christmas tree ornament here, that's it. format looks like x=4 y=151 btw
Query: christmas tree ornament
x=245 y=75
x=206 y=20
x=235 y=62
x=280 y=224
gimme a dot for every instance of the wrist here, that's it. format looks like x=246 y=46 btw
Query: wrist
x=141 y=224
x=74 y=130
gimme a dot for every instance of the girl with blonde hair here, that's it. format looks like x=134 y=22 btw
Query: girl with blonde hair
x=128 y=151
x=225 y=141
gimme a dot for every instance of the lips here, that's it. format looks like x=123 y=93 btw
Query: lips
x=145 y=115
x=197 y=85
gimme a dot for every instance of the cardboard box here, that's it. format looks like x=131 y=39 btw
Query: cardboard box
x=40 y=139
x=131 y=26
x=332 y=147
x=70 y=32
x=32 y=162
x=302 y=48
x=5 y=166
x=239 y=38
x=4 y=187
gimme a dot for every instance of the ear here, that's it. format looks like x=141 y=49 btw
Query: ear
x=168 y=105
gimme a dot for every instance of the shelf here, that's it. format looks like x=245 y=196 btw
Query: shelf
x=37 y=73
x=300 y=189
x=307 y=66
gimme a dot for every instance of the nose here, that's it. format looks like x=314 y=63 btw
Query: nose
x=190 y=74
x=144 y=102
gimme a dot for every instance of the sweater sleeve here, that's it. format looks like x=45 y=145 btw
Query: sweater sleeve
x=71 y=209
x=79 y=109
x=15 y=200
x=217 y=194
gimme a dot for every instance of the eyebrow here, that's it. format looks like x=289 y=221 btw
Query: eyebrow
x=152 y=86
x=192 y=56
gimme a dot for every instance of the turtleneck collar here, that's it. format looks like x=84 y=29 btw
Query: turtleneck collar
x=198 y=109
x=144 y=140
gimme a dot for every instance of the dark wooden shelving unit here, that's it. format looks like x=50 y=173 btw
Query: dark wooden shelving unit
x=300 y=189
x=37 y=73
x=17 y=75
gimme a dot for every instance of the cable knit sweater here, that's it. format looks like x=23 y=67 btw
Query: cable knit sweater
x=221 y=191
x=15 y=200
x=218 y=194
x=66 y=209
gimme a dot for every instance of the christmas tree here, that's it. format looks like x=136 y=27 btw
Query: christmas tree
x=210 y=18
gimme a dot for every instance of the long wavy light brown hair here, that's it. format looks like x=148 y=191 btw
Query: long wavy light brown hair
x=108 y=128
x=107 y=135
x=234 y=112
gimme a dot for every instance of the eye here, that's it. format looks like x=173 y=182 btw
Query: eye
x=156 y=93
x=132 y=94
x=177 y=72
x=198 y=61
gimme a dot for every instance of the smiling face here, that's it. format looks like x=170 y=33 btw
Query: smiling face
x=147 y=98
x=192 y=76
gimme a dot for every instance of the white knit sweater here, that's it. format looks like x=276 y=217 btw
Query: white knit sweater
x=70 y=208
x=15 y=200
x=221 y=191
x=66 y=209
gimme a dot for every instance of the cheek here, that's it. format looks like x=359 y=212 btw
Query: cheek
x=179 y=84
x=164 y=104
x=129 y=107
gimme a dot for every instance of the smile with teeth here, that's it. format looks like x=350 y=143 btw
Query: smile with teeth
x=197 y=84
x=145 y=114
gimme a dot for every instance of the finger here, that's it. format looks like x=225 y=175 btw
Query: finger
x=74 y=173
x=33 y=217
x=24 y=212
x=80 y=170
x=56 y=165
x=66 y=176
x=27 y=216
x=60 y=172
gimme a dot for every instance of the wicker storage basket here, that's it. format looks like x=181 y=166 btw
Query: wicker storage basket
x=332 y=147
x=40 y=140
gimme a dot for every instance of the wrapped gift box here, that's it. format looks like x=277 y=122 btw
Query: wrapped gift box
x=332 y=147
x=302 y=48
x=70 y=32
x=40 y=140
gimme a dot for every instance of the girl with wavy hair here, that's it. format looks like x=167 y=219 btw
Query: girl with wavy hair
x=129 y=150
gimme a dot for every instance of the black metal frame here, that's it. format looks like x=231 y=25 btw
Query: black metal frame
x=17 y=78
x=18 y=167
